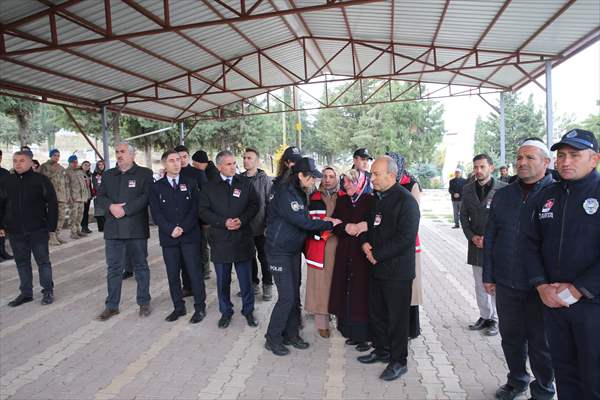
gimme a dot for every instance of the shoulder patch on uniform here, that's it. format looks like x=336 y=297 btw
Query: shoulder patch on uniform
x=548 y=205
x=590 y=205
x=296 y=206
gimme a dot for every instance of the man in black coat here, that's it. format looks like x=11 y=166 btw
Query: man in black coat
x=389 y=245
x=174 y=205
x=3 y=253
x=28 y=212
x=455 y=187
x=228 y=206
x=123 y=196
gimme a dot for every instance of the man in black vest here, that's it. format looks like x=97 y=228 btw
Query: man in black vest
x=174 y=205
x=228 y=205
x=389 y=245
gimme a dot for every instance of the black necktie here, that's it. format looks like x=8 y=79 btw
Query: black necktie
x=174 y=184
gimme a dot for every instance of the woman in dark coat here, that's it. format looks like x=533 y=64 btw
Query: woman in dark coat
x=348 y=299
x=96 y=181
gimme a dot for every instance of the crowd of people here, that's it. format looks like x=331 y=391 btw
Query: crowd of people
x=533 y=246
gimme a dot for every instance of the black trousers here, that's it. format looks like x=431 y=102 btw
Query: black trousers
x=285 y=317
x=100 y=222
x=86 y=214
x=575 y=349
x=185 y=277
x=36 y=243
x=389 y=305
x=185 y=256
x=267 y=277
x=521 y=324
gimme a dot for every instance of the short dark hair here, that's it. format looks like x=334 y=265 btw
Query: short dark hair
x=483 y=156
x=251 y=150
x=503 y=167
x=168 y=153
x=0 y=153
x=23 y=153
x=181 y=148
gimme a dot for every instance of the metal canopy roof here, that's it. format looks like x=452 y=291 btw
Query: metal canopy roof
x=175 y=59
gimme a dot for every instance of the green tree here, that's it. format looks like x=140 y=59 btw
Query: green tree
x=522 y=120
x=592 y=124
x=22 y=111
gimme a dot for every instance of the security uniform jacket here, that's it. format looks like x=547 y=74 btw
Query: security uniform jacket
x=393 y=223
x=474 y=215
x=288 y=221
x=562 y=243
x=503 y=262
x=131 y=187
x=176 y=207
x=27 y=203
x=196 y=174
x=218 y=203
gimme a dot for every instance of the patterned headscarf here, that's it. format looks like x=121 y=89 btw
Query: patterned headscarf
x=337 y=185
x=359 y=180
x=401 y=163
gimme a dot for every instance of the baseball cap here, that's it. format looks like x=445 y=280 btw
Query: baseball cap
x=307 y=165
x=362 y=153
x=579 y=139
x=200 y=157
x=292 y=153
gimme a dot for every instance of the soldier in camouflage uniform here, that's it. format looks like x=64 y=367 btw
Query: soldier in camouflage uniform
x=79 y=193
x=57 y=175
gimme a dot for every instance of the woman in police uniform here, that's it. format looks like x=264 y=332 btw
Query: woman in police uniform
x=288 y=224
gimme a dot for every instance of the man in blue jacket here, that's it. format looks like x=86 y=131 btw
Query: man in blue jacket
x=562 y=255
x=520 y=310
x=174 y=205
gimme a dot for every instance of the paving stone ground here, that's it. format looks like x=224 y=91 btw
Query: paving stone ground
x=61 y=352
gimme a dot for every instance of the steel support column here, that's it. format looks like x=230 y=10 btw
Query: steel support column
x=181 y=134
x=105 y=144
x=502 y=132
x=549 y=116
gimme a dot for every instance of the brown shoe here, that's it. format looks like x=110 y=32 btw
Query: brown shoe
x=75 y=236
x=324 y=333
x=145 y=310
x=81 y=234
x=107 y=313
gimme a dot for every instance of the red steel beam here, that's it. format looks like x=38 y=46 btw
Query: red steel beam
x=80 y=129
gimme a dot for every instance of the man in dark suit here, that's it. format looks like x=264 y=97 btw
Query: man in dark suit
x=228 y=206
x=455 y=189
x=174 y=205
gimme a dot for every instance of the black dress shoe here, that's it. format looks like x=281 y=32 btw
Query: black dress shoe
x=507 y=392
x=478 y=325
x=20 y=299
x=351 y=342
x=127 y=274
x=277 y=349
x=187 y=293
x=198 y=316
x=393 y=371
x=362 y=346
x=491 y=329
x=373 y=357
x=86 y=230
x=251 y=320
x=174 y=316
x=296 y=342
x=224 y=321
x=47 y=299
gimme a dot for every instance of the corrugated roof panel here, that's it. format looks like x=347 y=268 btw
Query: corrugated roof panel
x=519 y=21
x=507 y=76
x=175 y=48
x=222 y=40
x=156 y=108
x=273 y=76
x=265 y=33
x=326 y=23
x=221 y=98
x=40 y=80
x=416 y=21
x=290 y=55
x=374 y=25
x=14 y=43
x=126 y=19
x=13 y=10
x=68 y=31
x=92 y=11
x=188 y=12
x=39 y=27
x=77 y=67
x=201 y=106
x=236 y=81
x=465 y=22
x=130 y=58
x=577 y=21
x=372 y=61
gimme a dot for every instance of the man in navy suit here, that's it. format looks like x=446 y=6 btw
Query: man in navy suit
x=174 y=205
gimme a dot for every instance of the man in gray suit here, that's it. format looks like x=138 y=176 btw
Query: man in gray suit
x=476 y=201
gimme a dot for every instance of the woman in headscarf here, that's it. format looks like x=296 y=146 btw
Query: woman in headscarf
x=96 y=181
x=85 y=167
x=348 y=300
x=320 y=252
x=411 y=184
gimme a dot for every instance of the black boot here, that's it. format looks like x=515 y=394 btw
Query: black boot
x=3 y=253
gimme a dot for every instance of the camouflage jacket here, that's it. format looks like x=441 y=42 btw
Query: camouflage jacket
x=58 y=176
x=77 y=186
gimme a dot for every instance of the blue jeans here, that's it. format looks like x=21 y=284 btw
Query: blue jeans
x=137 y=252
x=243 y=270
x=23 y=246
